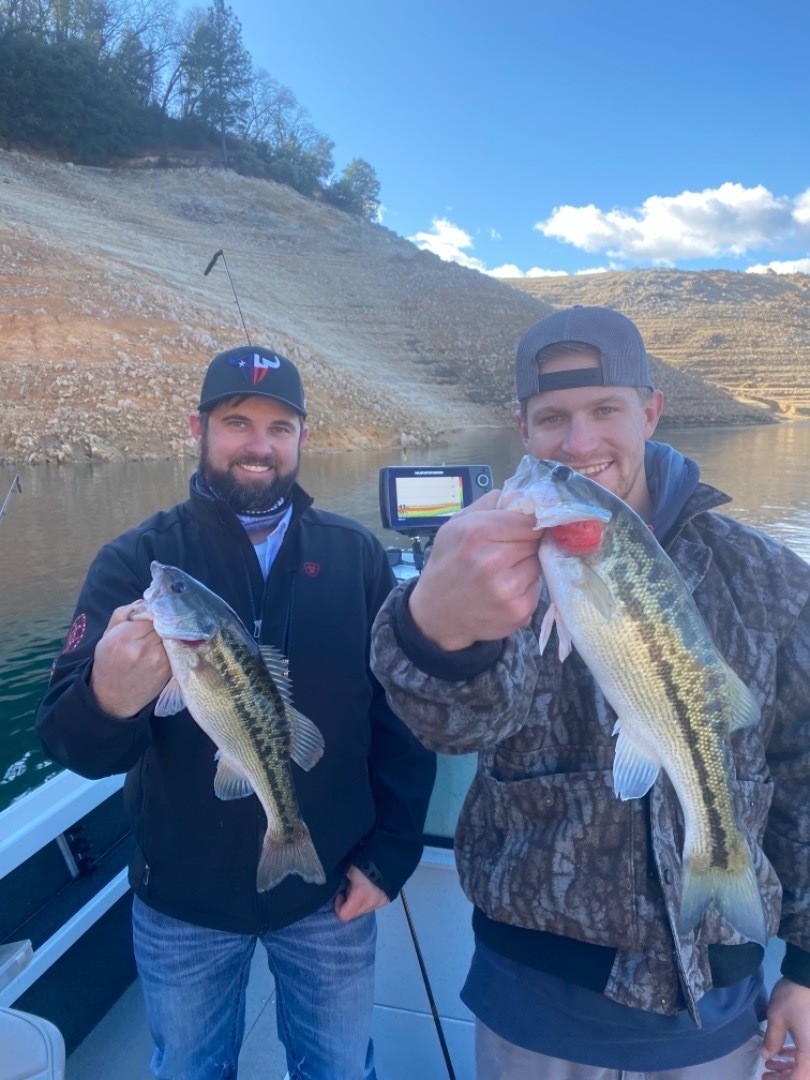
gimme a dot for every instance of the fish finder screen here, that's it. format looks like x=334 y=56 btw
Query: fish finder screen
x=419 y=497
x=422 y=497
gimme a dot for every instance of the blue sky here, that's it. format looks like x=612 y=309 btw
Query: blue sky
x=528 y=137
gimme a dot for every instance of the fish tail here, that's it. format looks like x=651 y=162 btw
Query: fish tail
x=735 y=893
x=295 y=855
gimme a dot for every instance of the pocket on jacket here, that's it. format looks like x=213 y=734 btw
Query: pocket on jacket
x=558 y=853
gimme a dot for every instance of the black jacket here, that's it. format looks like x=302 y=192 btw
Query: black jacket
x=195 y=857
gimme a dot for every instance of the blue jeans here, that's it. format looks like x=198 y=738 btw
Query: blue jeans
x=194 y=981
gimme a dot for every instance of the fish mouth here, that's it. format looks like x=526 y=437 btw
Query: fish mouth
x=549 y=514
x=172 y=626
x=548 y=510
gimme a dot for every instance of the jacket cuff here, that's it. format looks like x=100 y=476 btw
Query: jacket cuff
x=796 y=965
x=454 y=666
x=361 y=858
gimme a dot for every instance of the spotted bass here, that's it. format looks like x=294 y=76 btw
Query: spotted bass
x=239 y=695
x=619 y=600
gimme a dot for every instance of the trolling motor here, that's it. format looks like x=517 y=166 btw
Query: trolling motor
x=417 y=500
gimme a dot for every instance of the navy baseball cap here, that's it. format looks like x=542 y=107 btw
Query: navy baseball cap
x=623 y=357
x=253 y=370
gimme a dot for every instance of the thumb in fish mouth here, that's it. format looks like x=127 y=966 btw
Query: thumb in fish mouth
x=139 y=611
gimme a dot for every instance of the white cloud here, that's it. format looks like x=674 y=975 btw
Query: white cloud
x=453 y=244
x=539 y=272
x=801 y=209
x=449 y=242
x=728 y=220
x=788 y=266
x=509 y=270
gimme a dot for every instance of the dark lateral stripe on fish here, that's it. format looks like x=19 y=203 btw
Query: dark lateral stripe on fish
x=665 y=663
x=234 y=656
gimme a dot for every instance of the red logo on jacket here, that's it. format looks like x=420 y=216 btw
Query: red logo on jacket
x=312 y=569
x=76 y=634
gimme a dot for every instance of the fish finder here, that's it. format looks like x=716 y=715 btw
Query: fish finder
x=417 y=500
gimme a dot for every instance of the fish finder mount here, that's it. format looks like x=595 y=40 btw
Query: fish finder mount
x=417 y=500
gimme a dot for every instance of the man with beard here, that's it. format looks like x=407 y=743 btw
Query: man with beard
x=308 y=583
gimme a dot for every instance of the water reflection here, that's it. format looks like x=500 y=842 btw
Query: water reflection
x=52 y=530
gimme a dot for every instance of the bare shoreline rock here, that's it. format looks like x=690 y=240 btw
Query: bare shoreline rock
x=107 y=322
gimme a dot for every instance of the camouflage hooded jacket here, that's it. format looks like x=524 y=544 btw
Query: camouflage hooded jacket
x=543 y=843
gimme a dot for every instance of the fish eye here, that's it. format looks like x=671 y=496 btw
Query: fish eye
x=562 y=473
x=178 y=586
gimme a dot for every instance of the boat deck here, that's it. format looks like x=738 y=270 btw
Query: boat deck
x=405 y=1037
x=406 y=1041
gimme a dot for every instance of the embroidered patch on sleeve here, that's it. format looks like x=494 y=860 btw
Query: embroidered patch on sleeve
x=76 y=633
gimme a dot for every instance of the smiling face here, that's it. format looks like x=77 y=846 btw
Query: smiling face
x=598 y=430
x=250 y=450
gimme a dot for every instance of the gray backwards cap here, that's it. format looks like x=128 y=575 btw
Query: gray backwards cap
x=255 y=371
x=621 y=349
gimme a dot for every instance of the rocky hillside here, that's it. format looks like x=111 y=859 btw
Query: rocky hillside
x=107 y=321
x=746 y=333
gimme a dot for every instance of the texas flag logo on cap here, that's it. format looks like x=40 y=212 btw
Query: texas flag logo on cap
x=254 y=368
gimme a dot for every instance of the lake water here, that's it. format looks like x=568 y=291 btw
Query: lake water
x=51 y=531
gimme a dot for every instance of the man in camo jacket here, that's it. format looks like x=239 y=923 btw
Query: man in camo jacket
x=578 y=971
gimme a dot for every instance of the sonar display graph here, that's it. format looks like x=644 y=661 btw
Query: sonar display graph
x=428 y=496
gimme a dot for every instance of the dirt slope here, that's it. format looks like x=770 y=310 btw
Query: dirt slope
x=107 y=322
x=746 y=333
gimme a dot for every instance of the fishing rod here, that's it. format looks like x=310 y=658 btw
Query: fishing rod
x=221 y=255
x=15 y=483
x=434 y=1011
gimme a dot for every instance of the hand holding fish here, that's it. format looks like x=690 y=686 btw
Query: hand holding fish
x=788 y=1014
x=360 y=897
x=480 y=582
x=130 y=665
x=619 y=600
x=240 y=694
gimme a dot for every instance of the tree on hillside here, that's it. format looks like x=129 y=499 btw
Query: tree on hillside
x=357 y=190
x=22 y=17
x=216 y=73
x=286 y=141
x=60 y=95
x=142 y=41
x=137 y=66
x=95 y=78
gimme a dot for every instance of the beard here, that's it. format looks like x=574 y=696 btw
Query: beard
x=253 y=497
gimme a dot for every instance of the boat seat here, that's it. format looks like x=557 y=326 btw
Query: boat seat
x=30 y=1048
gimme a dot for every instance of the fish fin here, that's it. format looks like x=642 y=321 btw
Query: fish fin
x=565 y=645
x=229 y=782
x=736 y=896
x=170 y=700
x=546 y=626
x=597 y=591
x=633 y=773
x=295 y=857
x=276 y=664
x=306 y=743
x=744 y=708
